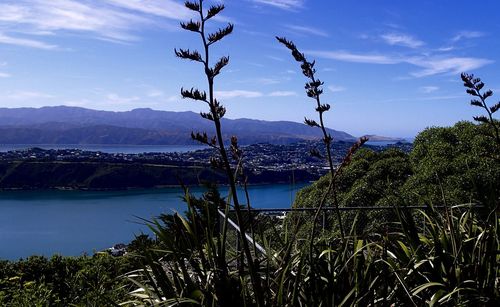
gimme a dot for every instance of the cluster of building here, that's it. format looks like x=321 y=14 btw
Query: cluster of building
x=257 y=157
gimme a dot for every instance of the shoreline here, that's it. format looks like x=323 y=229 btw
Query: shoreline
x=159 y=187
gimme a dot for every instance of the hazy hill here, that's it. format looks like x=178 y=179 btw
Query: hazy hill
x=72 y=125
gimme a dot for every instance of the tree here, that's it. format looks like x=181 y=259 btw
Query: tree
x=453 y=165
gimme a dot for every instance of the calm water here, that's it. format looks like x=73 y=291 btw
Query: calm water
x=74 y=222
x=127 y=149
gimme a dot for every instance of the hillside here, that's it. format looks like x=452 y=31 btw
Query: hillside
x=72 y=125
x=32 y=175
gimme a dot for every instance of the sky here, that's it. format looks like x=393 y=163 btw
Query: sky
x=390 y=67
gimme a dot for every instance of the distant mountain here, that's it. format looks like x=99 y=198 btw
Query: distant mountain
x=72 y=125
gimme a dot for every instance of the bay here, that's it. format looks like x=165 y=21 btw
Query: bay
x=71 y=223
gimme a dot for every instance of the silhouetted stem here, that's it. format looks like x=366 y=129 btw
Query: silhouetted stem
x=227 y=166
x=326 y=140
x=490 y=115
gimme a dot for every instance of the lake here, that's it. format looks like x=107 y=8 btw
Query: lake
x=75 y=222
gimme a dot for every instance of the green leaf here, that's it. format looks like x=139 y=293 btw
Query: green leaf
x=425 y=286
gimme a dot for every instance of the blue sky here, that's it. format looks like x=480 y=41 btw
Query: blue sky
x=390 y=67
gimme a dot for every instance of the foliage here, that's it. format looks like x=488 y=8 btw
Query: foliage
x=369 y=179
x=445 y=255
x=439 y=263
x=404 y=257
x=431 y=257
x=314 y=90
x=372 y=179
x=454 y=165
x=224 y=157
x=64 y=281
x=475 y=87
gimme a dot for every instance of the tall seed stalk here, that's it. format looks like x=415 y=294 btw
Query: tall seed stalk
x=314 y=90
x=216 y=113
x=474 y=87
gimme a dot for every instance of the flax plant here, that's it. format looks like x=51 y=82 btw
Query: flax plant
x=216 y=111
x=451 y=260
x=314 y=90
x=474 y=88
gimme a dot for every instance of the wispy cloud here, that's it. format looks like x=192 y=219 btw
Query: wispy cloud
x=267 y=81
x=282 y=4
x=4 y=39
x=424 y=98
x=404 y=40
x=336 y=88
x=113 y=20
x=238 y=94
x=454 y=65
x=4 y=75
x=346 y=56
x=430 y=65
x=27 y=95
x=282 y=94
x=307 y=30
x=467 y=35
x=155 y=93
x=117 y=99
x=428 y=89
x=446 y=49
x=252 y=94
x=174 y=98
x=78 y=102
x=162 y=8
x=272 y=57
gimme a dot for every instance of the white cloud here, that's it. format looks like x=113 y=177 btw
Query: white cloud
x=27 y=95
x=428 y=89
x=4 y=75
x=356 y=58
x=446 y=49
x=163 y=8
x=282 y=94
x=78 y=103
x=336 y=88
x=114 y=98
x=431 y=65
x=425 y=98
x=4 y=39
x=454 y=65
x=267 y=81
x=272 y=57
x=441 y=97
x=282 y=4
x=112 y=20
x=467 y=35
x=174 y=98
x=402 y=40
x=238 y=94
x=307 y=30
x=155 y=93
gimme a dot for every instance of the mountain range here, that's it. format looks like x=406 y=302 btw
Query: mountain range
x=74 y=125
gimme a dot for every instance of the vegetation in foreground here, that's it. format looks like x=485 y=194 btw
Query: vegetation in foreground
x=446 y=254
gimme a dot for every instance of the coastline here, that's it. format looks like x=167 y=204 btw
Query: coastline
x=158 y=187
